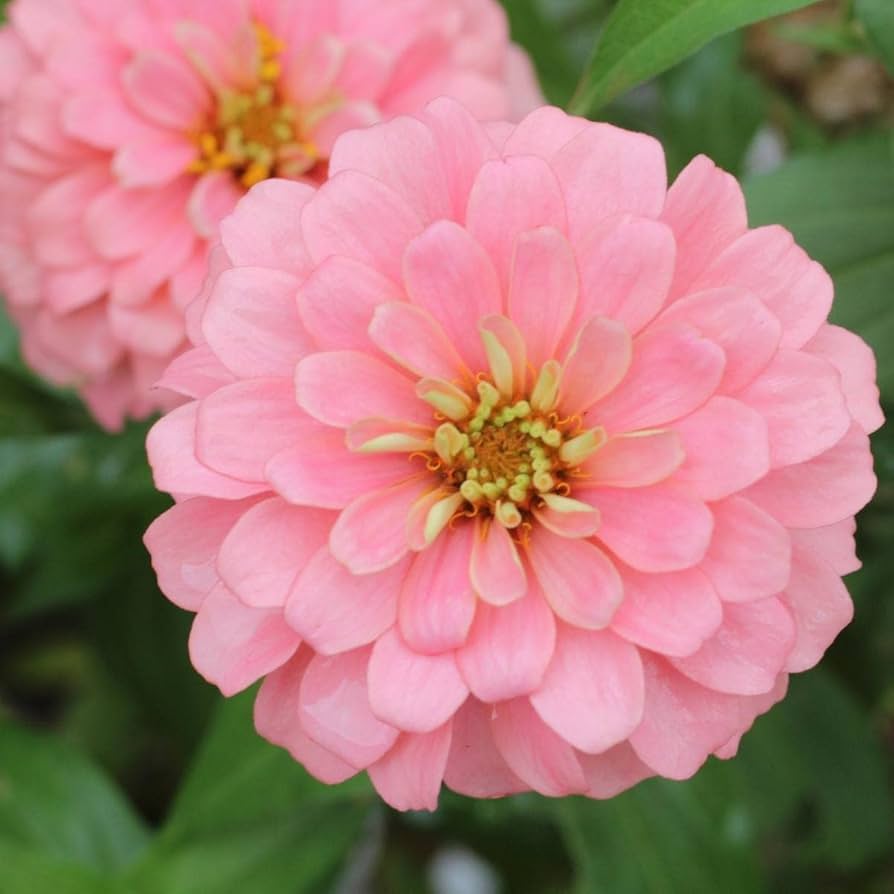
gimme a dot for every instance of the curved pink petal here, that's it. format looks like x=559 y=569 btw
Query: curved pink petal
x=509 y=648
x=448 y=273
x=800 y=398
x=637 y=459
x=671 y=614
x=567 y=517
x=726 y=446
x=495 y=568
x=416 y=693
x=592 y=694
x=409 y=776
x=533 y=752
x=748 y=651
x=153 y=162
x=653 y=529
x=673 y=372
x=232 y=645
x=543 y=290
x=579 y=581
x=741 y=532
x=263 y=552
x=371 y=533
x=597 y=362
x=167 y=91
x=335 y=611
x=610 y=773
x=334 y=709
x=437 y=603
x=835 y=543
x=195 y=373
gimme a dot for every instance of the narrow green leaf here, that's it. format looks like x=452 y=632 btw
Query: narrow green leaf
x=839 y=204
x=877 y=17
x=55 y=802
x=642 y=38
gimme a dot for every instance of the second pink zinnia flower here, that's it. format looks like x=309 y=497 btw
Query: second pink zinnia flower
x=508 y=467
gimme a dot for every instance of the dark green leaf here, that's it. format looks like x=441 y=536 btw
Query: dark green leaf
x=250 y=818
x=840 y=206
x=878 y=18
x=54 y=801
x=642 y=38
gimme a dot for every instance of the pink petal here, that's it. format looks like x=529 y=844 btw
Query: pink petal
x=335 y=712
x=820 y=604
x=636 y=460
x=153 y=162
x=342 y=387
x=748 y=651
x=509 y=648
x=592 y=694
x=167 y=91
x=136 y=279
x=209 y=53
x=606 y=171
x=673 y=372
x=364 y=72
x=543 y=289
x=448 y=274
x=69 y=290
x=474 y=766
x=567 y=517
x=214 y=196
x=241 y=426
x=437 y=603
x=612 y=772
x=579 y=581
x=544 y=132
x=672 y=614
x=183 y=543
x=706 y=210
x=495 y=569
x=767 y=263
x=264 y=551
x=537 y=755
x=416 y=693
x=726 y=448
x=336 y=611
x=359 y=217
x=413 y=338
x=742 y=532
x=278 y=720
x=409 y=776
x=598 y=361
x=509 y=197
x=371 y=534
x=320 y=471
x=748 y=333
x=800 y=398
x=835 y=543
x=417 y=179
x=337 y=300
x=626 y=268
x=350 y=116
x=265 y=228
x=102 y=117
x=171 y=449
x=195 y=373
x=823 y=490
x=653 y=529
x=855 y=362
x=232 y=645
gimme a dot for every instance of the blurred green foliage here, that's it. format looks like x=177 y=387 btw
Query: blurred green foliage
x=121 y=772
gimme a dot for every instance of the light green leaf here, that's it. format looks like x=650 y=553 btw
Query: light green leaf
x=840 y=206
x=32 y=872
x=877 y=17
x=250 y=818
x=642 y=38
x=55 y=802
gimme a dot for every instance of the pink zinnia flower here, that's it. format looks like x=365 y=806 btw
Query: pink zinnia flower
x=509 y=467
x=129 y=129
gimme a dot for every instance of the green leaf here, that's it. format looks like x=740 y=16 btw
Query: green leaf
x=712 y=106
x=840 y=206
x=250 y=818
x=663 y=838
x=31 y=872
x=55 y=802
x=642 y=38
x=877 y=17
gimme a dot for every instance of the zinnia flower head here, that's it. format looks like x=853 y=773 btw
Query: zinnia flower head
x=507 y=466
x=129 y=129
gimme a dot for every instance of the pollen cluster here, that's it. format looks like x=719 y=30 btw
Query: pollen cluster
x=256 y=134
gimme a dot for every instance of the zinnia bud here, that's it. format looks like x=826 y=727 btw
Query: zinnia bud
x=129 y=129
x=508 y=466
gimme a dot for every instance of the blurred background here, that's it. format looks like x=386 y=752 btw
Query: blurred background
x=122 y=772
